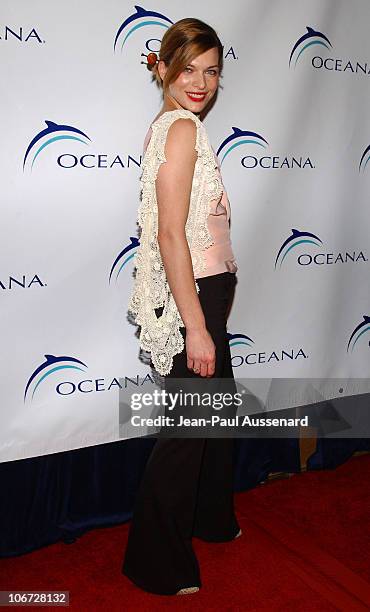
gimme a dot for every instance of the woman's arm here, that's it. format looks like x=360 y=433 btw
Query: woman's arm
x=173 y=189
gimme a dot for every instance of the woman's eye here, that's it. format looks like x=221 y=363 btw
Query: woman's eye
x=212 y=72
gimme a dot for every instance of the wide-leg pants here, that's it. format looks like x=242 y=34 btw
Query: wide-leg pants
x=187 y=486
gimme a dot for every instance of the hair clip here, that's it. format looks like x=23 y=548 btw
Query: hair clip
x=152 y=59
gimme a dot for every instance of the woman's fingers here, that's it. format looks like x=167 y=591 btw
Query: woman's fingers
x=190 y=363
x=197 y=366
x=194 y=365
x=211 y=368
x=203 y=368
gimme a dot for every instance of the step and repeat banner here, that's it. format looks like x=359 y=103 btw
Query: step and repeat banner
x=291 y=128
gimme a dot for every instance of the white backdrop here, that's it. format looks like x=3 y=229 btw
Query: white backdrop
x=291 y=126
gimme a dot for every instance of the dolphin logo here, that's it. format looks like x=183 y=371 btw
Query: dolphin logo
x=52 y=361
x=358 y=331
x=239 y=137
x=133 y=244
x=312 y=37
x=53 y=128
x=141 y=13
x=294 y=239
x=235 y=339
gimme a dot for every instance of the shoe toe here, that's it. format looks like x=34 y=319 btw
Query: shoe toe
x=188 y=590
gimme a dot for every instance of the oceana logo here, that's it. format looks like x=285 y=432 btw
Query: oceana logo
x=139 y=22
x=20 y=34
x=53 y=133
x=123 y=258
x=25 y=281
x=141 y=19
x=56 y=133
x=358 y=333
x=53 y=367
x=313 y=40
x=48 y=368
x=255 y=142
x=249 y=356
x=293 y=247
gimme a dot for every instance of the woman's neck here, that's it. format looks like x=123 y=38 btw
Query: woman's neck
x=170 y=104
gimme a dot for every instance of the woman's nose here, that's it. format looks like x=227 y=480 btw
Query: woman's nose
x=200 y=81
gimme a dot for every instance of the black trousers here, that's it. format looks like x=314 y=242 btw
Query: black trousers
x=187 y=486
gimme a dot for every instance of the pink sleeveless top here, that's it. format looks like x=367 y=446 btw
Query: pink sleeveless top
x=219 y=256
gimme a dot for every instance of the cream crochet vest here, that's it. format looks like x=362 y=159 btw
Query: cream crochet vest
x=161 y=336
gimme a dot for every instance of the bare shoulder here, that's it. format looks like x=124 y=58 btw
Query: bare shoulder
x=181 y=135
x=182 y=127
x=167 y=118
x=177 y=135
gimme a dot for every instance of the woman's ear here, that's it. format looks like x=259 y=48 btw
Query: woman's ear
x=162 y=69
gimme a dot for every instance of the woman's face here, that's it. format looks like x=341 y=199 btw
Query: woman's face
x=197 y=83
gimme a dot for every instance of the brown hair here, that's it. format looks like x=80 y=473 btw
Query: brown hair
x=181 y=43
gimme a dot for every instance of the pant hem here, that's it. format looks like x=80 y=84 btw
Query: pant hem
x=155 y=591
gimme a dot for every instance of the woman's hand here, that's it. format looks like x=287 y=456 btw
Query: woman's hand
x=200 y=351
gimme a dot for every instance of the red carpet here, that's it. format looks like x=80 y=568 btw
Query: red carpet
x=305 y=547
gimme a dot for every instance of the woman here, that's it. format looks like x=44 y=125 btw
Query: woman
x=185 y=277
